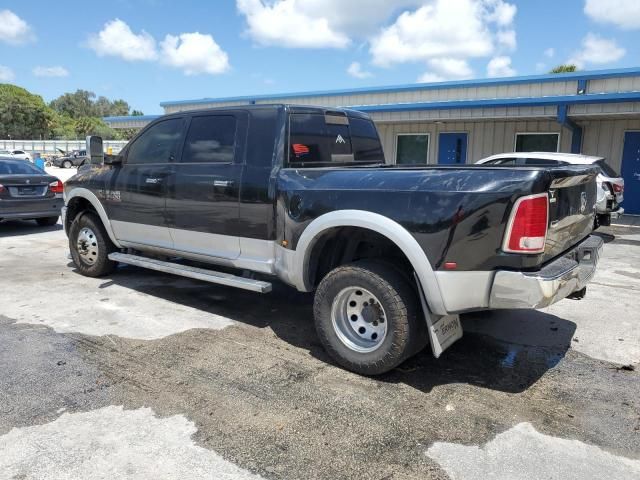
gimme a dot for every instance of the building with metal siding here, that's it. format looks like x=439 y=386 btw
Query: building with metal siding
x=455 y=122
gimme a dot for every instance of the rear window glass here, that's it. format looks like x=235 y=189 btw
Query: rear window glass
x=19 y=168
x=607 y=169
x=541 y=162
x=313 y=139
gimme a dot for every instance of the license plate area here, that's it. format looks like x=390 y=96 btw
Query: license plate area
x=23 y=191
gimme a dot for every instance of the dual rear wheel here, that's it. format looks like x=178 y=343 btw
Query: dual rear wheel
x=367 y=317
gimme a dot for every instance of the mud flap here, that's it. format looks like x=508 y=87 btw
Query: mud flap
x=444 y=331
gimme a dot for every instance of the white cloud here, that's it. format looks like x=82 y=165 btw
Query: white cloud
x=55 y=71
x=117 y=40
x=445 y=28
x=500 y=67
x=6 y=74
x=355 y=70
x=622 y=13
x=549 y=52
x=430 y=77
x=316 y=23
x=597 y=50
x=194 y=53
x=282 y=24
x=13 y=29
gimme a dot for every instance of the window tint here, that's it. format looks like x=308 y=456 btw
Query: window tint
x=412 y=149
x=541 y=162
x=607 y=169
x=210 y=139
x=19 y=168
x=313 y=140
x=365 y=141
x=537 y=142
x=158 y=144
x=18 y=152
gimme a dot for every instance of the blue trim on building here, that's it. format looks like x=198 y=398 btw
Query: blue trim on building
x=560 y=77
x=576 y=130
x=504 y=102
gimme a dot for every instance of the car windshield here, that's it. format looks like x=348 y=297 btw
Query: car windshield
x=606 y=169
x=18 y=168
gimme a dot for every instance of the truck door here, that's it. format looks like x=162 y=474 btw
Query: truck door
x=203 y=196
x=135 y=196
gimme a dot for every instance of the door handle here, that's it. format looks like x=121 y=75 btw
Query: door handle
x=223 y=183
x=153 y=180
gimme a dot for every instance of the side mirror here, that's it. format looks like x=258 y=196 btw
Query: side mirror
x=95 y=150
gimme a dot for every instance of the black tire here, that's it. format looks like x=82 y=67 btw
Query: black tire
x=405 y=330
x=66 y=164
x=98 y=264
x=47 y=221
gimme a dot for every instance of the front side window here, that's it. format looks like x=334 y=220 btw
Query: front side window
x=158 y=144
x=537 y=142
x=210 y=139
x=412 y=149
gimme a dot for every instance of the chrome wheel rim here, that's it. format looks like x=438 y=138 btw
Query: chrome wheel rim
x=359 y=320
x=87 y=246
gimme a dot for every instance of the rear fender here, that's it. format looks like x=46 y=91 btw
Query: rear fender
x=299 y=265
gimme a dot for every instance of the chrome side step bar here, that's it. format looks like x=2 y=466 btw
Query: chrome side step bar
x=192 y=272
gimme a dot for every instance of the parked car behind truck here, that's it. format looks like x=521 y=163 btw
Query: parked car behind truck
x=610 y=183
x=302 y=194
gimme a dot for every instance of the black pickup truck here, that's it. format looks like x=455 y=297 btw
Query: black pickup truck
x=303 y=194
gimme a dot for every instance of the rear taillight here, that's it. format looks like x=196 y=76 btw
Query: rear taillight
x=56 y=187
x=618 y=188
x=527 y=227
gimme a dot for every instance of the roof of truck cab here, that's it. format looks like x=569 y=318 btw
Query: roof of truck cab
x=292 y=108
x=573 y=158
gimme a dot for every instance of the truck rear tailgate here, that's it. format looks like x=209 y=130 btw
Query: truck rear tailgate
x=572 y=200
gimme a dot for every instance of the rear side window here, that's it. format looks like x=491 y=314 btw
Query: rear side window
x=607 y=169
x=365 y=141
x=501 y=161
x=542 y=162
x=210 y=139
x=158 y=144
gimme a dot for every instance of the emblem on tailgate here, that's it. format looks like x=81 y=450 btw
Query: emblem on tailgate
x=583 y=202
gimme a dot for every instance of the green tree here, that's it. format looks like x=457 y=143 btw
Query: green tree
x=567 y=68
x=22 y=114
x=136 y=113
x=75 y=105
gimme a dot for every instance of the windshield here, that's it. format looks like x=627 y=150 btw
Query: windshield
x=18 y=168
x=606 y=169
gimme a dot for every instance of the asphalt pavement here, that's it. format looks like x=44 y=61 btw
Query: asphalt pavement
x=145 y=375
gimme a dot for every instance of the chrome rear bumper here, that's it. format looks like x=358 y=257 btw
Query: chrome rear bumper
x=553 y=282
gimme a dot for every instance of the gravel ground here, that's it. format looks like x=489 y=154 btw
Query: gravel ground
x=144 y=375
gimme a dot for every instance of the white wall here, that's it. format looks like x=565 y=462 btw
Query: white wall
x=484 y=138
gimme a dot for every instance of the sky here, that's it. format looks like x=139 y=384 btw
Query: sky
x=149 y=51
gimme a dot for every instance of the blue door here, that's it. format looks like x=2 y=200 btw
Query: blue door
x=631 y=173
x=452 y=148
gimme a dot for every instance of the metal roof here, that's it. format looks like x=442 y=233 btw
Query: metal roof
x=573 y=76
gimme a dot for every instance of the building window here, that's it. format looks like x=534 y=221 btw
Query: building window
x=537 y=142
x=412 y=148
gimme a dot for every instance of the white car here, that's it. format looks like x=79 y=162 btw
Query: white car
x=17 y=154
x=610 y=184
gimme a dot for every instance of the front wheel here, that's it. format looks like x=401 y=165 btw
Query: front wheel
x=90 y=246
x=366 y=316
x=66 y=164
